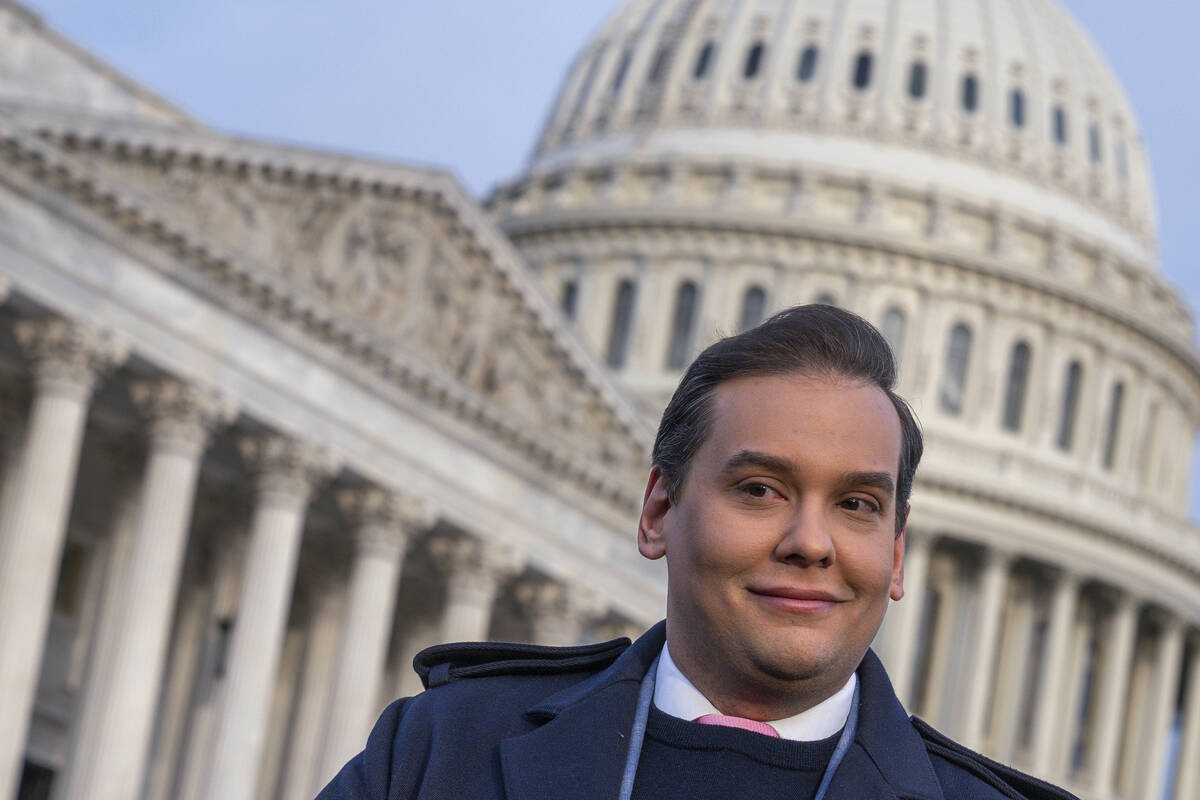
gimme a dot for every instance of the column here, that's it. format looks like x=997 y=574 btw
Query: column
x=556 y=611
x=188 y=635
x=944 y=638
x=474 y=571
x=383 y=523
x=286 y=473
x=1162 y=711
x=67 y=361
x=905 y=624
x=1054 y=697
x=326 y=606
x=992 y=590
x=1187 y=779
x=117 y=713
x=1013 y=671
x=1110 y=717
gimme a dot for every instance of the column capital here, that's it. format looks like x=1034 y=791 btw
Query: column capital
x=67 y=357
x=383 y=521
x=181 y=415
x=286 y=469
x=541 y=596
x=474 y=559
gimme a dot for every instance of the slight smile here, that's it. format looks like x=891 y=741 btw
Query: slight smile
x=787 y=598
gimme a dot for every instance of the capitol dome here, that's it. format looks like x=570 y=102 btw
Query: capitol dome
x=969 y=177
x=973 y=99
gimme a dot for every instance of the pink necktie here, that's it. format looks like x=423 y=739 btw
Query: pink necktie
x=738 y=722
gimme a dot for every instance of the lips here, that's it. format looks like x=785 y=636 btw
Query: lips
x=789 y=598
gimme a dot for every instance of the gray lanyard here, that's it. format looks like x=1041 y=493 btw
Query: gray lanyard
x=642 y=716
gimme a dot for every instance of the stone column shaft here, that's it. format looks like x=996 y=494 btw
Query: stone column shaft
x=118 y=709
x=993 y=587
x=1052 y=702
x=383 y=523
x=903 y=639
x=287 y=473
x=33 y=528
x=300 y=778
x=474 y=572
x=1187 y=779
x=1109 y=724
x=1162 y=713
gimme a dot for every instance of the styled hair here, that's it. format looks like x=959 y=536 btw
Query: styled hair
x=815 y=340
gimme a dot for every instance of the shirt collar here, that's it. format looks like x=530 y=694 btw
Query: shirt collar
x=674 y=694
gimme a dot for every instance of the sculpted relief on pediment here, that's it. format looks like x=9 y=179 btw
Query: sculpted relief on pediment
x=391 y=264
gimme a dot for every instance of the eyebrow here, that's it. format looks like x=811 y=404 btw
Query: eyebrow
x=753 y=458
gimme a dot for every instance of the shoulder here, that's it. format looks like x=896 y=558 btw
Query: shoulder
x=448 y=663
x=964 y=773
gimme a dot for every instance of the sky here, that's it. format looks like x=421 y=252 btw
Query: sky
x=465 y=85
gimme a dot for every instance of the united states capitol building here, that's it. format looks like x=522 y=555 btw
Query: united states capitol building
x=272 y=419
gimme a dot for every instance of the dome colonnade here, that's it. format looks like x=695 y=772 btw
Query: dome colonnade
x=970 y=178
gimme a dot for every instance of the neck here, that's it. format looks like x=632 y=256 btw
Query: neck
x=757 y=695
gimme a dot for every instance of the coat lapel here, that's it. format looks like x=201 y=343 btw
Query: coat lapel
x=888 y=759
x=579 y=750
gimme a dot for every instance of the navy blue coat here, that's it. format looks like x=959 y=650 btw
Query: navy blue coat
x=529 y=723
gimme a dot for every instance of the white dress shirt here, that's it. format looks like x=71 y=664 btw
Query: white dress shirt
x=674 y=694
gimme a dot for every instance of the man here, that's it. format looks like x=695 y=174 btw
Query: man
x=778 y=496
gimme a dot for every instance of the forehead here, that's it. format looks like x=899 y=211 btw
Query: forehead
x=831 y=418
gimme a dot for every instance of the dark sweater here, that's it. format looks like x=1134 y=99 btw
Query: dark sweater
x=682 y=759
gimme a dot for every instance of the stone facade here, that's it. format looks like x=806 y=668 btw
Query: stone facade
x=272 y=420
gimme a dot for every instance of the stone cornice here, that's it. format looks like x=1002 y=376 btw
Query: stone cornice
x=138 y=216
x=1183 y=555
x=696 y=228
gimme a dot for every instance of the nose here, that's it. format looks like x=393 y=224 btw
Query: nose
x=807 y=540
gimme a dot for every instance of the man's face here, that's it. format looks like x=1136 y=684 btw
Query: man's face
x=781 y=550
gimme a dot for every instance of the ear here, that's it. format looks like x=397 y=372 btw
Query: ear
x=652 y=540
x=897 y=590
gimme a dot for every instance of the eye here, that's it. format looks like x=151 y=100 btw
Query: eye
x=757 y=490
x=860 y=504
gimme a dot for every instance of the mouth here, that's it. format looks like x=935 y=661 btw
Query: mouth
x=794 y=600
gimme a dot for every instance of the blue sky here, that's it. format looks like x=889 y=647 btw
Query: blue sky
x=465 y=84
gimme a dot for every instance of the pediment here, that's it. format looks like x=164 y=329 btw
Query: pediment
x=400 y=261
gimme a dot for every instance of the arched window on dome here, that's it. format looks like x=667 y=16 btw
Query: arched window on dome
x=1060 y=125
x=622 y=324
x=863 y=63
x=806 y=68
x=622 y=68
x=1018 y=383
x=1016 y=108
x=754 y=58
x=970 y=93
x=1116 y=403
x=1070 y=406
x=1095 y=149
x=1147 y=446
x=569 y=298
x=703 y=61
x=754 y=308
x=953 y=391
x=895 y=325
x=918 y=79
x=683 y=325
x=1122 y=159
x=659 y=66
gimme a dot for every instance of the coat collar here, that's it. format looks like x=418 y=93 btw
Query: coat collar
x=583 y=739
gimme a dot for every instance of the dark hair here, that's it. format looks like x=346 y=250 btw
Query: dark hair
x=810 y=340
